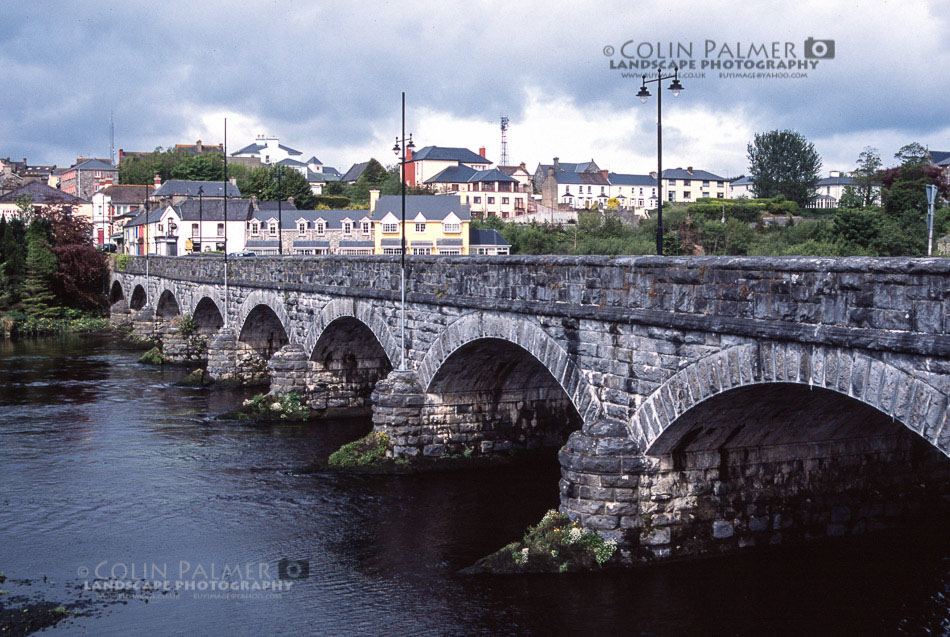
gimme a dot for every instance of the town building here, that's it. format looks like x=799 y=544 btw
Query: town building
x=435 y=224
x=541 y=172
x=577 y=190
x=431 y=160
x=112 y=207
x=688 y=185
x=87 y=176
x=198 y=148
x=487 y=241
x=310 y=232
x=520 y=174
x=941 y=159
x=191 y=225
x=741 y=188
x=39 y=196
x=268 y=150
x=487 y=192
x=352 y=175
x=633 y=192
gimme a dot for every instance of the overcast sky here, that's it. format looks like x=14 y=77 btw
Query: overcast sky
x=326 y=78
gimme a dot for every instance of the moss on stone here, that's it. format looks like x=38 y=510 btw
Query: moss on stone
x=554 y=545
x=287 y=406
x=152 y=357
x=197 y=378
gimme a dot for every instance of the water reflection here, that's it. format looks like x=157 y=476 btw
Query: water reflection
x=104 y=459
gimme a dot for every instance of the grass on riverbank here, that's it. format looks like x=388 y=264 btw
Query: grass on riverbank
x=19 y=324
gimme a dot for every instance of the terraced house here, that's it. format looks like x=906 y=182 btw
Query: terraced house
x=309 y=231
x=688 y=185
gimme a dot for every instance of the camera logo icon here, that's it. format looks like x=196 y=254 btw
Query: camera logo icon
x=819 y=49
x=293 y=569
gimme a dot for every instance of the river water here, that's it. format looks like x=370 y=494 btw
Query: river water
x=105 y=464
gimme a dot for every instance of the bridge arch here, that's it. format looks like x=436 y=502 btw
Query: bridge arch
x=527 y=336
x=167 y=306
x=265 y=326
x=139 y=298
x=207 y=316
x=115 y=292
x=658 y=425
x=362 y=312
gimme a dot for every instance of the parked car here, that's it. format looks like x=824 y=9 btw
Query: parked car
x=246 y=253
x=108 y=247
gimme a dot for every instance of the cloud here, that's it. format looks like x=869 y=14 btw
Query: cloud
x=327 y=78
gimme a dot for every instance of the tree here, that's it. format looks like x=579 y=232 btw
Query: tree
x=14 y=262
x=912 y=154
x=81 y=269
x=262 y=183
x=783 y=162
x=867 y=175
x=857 y=228
x=37 y=298
x=850 y=198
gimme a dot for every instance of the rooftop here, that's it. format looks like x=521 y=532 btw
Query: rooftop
x=445 y=153
x=432 y=207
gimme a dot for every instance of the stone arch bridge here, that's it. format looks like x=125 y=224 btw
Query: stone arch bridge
x=700 y=404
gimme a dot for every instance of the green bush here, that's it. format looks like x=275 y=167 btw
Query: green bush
x=361 y=453
x=332 y=201
x=121 y=262
x=287 y=406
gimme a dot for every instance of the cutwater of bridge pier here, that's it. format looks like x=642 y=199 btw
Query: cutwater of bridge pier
x=700 y=405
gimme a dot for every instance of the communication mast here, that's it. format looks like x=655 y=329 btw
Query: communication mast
x=112 y=137
x=504 y=141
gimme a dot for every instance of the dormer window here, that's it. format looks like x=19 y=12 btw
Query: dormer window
x=451 y=228
x=302 y=228
x=390 y=228
x=420 y=228
x=320 y=226
x=255 y=228
x=347 y=228
x=364 y=227
x=272 y=228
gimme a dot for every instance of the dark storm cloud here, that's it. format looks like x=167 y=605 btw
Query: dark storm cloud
x=331 y=74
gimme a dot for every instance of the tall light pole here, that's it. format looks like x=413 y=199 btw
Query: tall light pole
x=201 y=226
x=644 y=94
x=148 y=275
x=280 y=217
x=225 y=194
x=931 y=198
x=403 y=144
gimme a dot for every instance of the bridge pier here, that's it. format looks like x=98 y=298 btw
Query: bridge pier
x=143 y=323
x=120 y=315
x=397 y=402
x=232 y=361
x=181 y=342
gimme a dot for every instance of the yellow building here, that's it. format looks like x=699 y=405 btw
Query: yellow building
x=435 y=224
x=689 y=185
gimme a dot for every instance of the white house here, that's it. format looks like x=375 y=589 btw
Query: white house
x=633 y=192
x=190 y=226
x=741 y=188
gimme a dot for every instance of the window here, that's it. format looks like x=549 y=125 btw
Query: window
x=641 y=191
x=420 y=227
x=719 y=183
x=491 y=200
x=504 y=200
x=390 y=228
x=706 y=184
x=347 y=228
x=567 y=189
x=672 y=195
x=451 y=228
x=704 y=194
x=601 y=190
x=719 y=195
x=455 y=186
x=255 y=228
x=302 y=228
x=220 y=229
x=588 y=190
x=422 y=250
x=320 y=226
x=686 y=194
x=450 y=251
x=272 y=229
x=194 y=229
x=687 y=182
x=672 y=182
x=476 y=199
x=392 y=250
x=160 y=227
x=364 y=227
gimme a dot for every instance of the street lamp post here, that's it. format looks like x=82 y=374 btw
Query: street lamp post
x=280 y=218
x=201 y=226
x=644 y=94
x=403 y=144
x=148 y=275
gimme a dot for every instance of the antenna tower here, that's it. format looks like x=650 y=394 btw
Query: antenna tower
x=504 y=140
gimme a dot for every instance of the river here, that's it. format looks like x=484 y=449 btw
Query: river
x=106 y=464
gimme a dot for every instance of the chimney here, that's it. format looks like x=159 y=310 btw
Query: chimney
x=606 y=174
x=408 y=154
x=557 y=164
x=373 y=198
x=290 y=200
x=157 y=181
x=233 y=181
x=198 y=146
x=689 y=169
x=481 y=151
x=121 y=155
x=254 y=204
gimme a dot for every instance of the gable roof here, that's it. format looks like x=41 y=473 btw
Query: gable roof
x=835 y=181
x=485 y=237
x=432 y=207
x=330 y=170
x=41 y=194
x=313 y=160
x=250 y=149
x=446 y=153
x=624 y=179
x=511 y=170
x=190 y=188
x=592 y=179
x=568 y=167
x=127 y=193
x=355 y=172
x=681 y=173
x=742 y=181
x=464 y=174
x=92 y=164
x=940 y=157
x=291 y=162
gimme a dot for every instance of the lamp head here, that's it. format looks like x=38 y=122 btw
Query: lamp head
x=644 y=94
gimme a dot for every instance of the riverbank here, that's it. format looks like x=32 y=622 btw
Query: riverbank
x=19 y=325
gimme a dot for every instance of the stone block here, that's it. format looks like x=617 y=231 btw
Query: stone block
x=722 y=529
